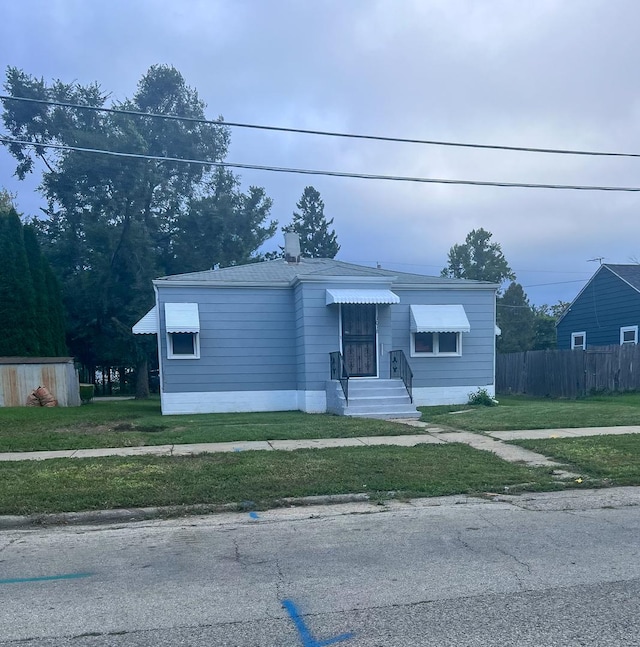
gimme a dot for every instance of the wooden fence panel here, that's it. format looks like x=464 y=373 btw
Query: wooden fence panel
x=569 y=373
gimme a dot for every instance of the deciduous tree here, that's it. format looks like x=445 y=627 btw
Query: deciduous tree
x=478 y=259
x=114 y=223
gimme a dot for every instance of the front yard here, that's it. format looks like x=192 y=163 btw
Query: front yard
x=258 y=479
x=521 y=412
x=611 y=460
x=130 y=423
x=133 y=423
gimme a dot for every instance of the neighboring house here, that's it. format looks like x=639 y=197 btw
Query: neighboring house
x=271 y=336
x=606 y=312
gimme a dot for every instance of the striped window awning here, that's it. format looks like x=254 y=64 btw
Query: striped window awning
x=182 y=317
x=148 y=325
x=440 y=318
x=362 y=296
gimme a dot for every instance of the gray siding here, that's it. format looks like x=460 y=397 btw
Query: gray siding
x=606 y=304
x=320 y=325
x=319 y=335
x=475 y=367
x=268 y=339
x=247 y=340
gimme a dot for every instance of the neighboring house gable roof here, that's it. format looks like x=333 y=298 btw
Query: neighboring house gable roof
x=280 y=272
x=630 y=274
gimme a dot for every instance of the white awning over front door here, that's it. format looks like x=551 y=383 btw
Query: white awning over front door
x=148 y=325
x=362 y=296
x=440 y=318
x=182 y=317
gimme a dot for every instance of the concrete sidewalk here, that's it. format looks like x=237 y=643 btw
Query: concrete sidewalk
x=492 y=441
x=212 y=448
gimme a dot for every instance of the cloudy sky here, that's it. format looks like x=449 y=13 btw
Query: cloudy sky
x=547 y=74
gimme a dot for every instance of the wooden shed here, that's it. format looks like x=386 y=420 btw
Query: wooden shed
x=19 y=376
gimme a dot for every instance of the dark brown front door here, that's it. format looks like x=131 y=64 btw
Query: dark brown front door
x=359 y=339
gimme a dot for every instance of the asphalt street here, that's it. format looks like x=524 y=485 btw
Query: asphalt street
x=542 y=569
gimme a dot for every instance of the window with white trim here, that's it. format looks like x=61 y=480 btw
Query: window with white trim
x=182 y=322
x=628 y=335
x=579 y=340
x=183 y=345
x=436 y=329
x=432 y=344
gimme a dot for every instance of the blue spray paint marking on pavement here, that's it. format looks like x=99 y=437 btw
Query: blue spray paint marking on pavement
x=46 y=578
x=237 y=449
x=305 y=635
x=253 y=515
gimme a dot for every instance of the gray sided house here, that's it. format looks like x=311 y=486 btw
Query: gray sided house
x=606 y=312
x=320 y=335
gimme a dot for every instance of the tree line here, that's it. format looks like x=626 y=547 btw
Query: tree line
x=522 y=326
x=111 y=225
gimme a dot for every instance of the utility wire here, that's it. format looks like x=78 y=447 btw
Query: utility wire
x=301 y=171
x=537 y=285
x=324 y=133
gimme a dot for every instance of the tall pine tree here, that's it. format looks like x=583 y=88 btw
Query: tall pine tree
x=316 y=241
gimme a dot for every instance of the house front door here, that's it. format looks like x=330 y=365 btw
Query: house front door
x=359 y=339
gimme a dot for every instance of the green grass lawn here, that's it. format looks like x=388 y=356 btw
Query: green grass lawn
x=132 y=423
x=520 y=412
x=259 y=477
x=614 y=458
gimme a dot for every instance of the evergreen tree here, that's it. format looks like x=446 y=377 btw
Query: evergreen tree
x=48 y=300
x=17 y=296
x=316 y=241
x=516 y=320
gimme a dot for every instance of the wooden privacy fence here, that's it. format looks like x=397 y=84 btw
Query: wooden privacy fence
x=569 y=373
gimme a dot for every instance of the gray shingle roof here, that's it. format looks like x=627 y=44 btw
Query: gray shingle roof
x=628 y=273
x=278 y=271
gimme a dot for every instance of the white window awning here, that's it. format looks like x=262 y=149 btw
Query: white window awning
x=440 y=318
x=182 y=317
x=363 y=295
x=148 y=325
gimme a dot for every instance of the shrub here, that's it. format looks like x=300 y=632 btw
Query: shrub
x=86 y=393
x=482 y=398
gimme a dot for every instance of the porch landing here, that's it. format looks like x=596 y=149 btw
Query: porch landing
x=371 y=398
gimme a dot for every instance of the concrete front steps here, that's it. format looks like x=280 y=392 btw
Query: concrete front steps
x=371 y=398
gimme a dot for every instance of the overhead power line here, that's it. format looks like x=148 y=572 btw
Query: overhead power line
x=302 y=171
x=324 y=133
x=537 y=285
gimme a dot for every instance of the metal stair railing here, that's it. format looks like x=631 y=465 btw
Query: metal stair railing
x=399 y=368
x=339 y=372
